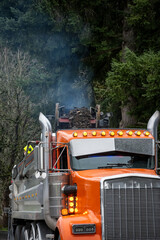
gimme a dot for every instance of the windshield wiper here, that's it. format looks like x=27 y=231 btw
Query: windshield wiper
x=113 y=165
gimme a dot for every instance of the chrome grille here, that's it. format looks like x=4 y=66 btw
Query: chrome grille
x=131 y=208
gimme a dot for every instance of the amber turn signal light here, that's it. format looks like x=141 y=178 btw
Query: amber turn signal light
x=64 y=211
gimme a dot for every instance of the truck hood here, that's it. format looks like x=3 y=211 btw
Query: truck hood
x=97 y=174
x=89 y=187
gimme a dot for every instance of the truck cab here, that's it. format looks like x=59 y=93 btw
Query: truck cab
x=114 y=173
x=89 y=184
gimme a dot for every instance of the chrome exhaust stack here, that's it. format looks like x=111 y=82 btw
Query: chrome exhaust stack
x=152 y=127
x=153 y=124
x=46 y=139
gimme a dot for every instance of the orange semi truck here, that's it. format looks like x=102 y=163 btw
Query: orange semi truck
x=88 y=184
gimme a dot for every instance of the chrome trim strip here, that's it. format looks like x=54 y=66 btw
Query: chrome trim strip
x=115 y=177
x=130 y=175
x=102 y=209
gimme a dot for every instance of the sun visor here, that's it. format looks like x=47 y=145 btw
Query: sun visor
x=80 y=147
x=139 y=146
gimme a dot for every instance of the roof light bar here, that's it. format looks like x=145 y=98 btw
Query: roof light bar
x=113 y=133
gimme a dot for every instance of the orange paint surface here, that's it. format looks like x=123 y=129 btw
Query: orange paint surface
x=88 y=184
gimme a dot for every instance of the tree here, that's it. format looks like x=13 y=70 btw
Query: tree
x=143 y=19
x=16 y=125
x=68 y=37
x=139 y=34
x=137 y=79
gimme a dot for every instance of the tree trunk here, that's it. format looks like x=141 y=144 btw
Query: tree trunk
x=5 y=204
x=128 y=42
x=127 y=119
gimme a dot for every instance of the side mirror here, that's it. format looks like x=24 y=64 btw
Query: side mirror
x=14 y=172
x=158 y=157
x=39 y=157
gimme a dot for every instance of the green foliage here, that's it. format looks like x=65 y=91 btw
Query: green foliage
x=143 y=18
x=75 y=42
x=62 y=34
x=140 y=12
x=137 y=78
x=90 y=26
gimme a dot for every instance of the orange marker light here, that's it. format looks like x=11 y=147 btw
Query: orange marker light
x=64 y=211
x=146 y=133
x=85 y=213
x=130 y=133
x=75 y=134
x=138 y=133
x=103 y=133
x=112 y=134
x=71 y=204
x=71 y=199
x=76 y=210
x=94 y=133
x=71 y=210
x=84 y=134
x=120 y=133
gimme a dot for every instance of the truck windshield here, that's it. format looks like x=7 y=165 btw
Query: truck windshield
x=112 y=160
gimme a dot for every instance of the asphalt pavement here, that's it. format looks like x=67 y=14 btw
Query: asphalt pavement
x=3 y=235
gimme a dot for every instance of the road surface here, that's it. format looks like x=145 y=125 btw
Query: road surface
x=3 y=235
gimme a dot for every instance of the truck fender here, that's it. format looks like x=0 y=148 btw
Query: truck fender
x=64 y=226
